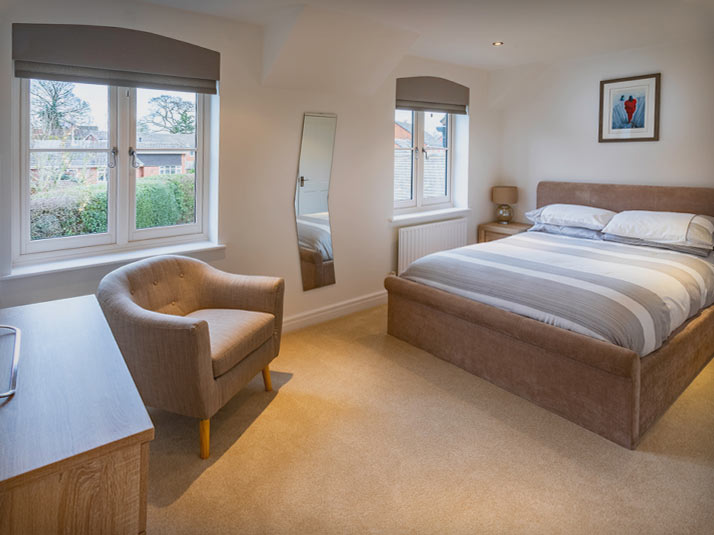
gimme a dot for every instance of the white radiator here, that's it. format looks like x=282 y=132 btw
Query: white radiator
x=421 y=240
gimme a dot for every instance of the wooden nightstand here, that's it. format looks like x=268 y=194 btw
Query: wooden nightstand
x=496 y=231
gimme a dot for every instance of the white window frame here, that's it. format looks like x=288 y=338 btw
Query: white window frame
x=418 y=202
x=122 y=234
x=174 y=230
x=29 y=246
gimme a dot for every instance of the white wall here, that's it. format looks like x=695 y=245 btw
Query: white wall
x=259 y=148
x=550 y=121
x=526 y=124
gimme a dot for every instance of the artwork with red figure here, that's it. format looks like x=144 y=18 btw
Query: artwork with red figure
x=628 y=108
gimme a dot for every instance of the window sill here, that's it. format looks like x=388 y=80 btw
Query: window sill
x=122 y=257
x=427 y=216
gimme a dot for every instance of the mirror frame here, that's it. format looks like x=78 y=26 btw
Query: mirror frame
x=323 y=271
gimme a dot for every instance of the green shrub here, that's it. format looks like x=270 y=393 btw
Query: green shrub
x=184 y=191
x=83 y=209
x=59 y=216
x=156 y=205
x=94 y=213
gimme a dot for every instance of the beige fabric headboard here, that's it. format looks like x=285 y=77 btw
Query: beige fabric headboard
x=619 y=197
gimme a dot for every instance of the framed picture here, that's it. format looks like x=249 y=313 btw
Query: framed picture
x=629 y=109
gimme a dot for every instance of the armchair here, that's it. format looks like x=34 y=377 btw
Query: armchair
x=192 y=336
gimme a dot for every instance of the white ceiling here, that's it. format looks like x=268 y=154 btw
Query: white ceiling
x=461 y=31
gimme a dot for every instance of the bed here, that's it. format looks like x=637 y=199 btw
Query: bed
x=617 y=391
x=315 y=247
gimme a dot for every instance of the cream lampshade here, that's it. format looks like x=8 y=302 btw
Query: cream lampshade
x=504 y=196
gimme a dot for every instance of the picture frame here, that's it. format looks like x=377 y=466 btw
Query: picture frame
x=629 y=109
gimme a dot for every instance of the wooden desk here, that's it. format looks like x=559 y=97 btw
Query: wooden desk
x=74 y=439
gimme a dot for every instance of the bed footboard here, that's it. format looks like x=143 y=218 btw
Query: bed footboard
x=591 y=383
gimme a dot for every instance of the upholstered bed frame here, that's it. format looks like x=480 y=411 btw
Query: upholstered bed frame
x=603 y=387
x=316 y=272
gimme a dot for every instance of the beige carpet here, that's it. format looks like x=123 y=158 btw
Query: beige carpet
x=366 y=434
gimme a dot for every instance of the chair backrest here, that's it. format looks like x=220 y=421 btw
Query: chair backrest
x=165 y=284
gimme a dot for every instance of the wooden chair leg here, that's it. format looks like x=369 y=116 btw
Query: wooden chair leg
x=266 y=379
x=204 y=430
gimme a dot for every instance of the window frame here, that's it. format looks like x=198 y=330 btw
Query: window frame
x=121 y=234
x=418 y=202
x=27 y=245
x=136 y=234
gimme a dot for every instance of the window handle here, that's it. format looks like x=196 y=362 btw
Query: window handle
x=426 y=154
x=132 y=155
x=113 y=160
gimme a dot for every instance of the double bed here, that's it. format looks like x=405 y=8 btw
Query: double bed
x=570 y=323
x=315 y=247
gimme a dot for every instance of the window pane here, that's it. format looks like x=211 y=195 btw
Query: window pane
x=68 y=194
x=403 y=159
x=403 y=129
x=165 y=119
x=436 y=128
x=165 y=188
x=435 y=173
x=67 y=115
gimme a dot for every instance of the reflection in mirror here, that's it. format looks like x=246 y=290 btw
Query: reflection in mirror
x=311 y=207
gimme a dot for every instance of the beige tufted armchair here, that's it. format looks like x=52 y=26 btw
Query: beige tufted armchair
x=192 y=336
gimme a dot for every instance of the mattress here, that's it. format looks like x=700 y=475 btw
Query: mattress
x=631 y=296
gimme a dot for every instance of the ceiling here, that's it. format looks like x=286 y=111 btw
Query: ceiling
x=461 y=31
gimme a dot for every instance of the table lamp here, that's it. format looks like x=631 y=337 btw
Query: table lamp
x=504 y=196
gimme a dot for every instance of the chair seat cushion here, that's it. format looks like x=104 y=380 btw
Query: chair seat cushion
x=234 y=334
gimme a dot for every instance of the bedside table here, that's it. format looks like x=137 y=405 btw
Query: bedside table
x=496 y=231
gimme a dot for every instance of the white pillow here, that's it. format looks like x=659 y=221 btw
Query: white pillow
x=665 y=228
x=571 y=215
x=661 y=227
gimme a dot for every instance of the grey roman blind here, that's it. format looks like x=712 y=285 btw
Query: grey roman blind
x=114 y=56
x=429 y=93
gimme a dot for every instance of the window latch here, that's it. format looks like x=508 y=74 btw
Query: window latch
x=426 y=154
x=132 y=155
x=113 y=160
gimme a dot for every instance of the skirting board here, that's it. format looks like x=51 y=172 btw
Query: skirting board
x=330 y=312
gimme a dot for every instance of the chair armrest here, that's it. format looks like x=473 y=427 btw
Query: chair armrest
x=169 y=357
x=246 y=292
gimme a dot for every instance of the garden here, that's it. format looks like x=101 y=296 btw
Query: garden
x=74 y=208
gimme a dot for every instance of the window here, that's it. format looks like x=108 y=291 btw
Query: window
x=170 y=170
x=108 y=166
x=422 y=159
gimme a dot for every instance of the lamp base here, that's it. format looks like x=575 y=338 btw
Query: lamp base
x=504 y=214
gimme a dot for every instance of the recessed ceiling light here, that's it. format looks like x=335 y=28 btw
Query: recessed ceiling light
x=497 y=43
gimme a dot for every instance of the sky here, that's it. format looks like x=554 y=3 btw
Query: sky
x=97 y=98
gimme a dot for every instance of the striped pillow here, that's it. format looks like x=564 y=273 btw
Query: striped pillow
x=701 y=232
x=573 y=232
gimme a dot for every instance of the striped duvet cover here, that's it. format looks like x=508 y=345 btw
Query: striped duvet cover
x=631 y=296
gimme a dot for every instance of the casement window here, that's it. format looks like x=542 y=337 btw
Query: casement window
x=109 y=167
x=422 y=160
x=112 y=143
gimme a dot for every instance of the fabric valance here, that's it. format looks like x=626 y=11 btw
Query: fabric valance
x=113 y=56
x=429 y=93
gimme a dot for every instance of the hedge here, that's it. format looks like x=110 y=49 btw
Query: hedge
x=82 y=209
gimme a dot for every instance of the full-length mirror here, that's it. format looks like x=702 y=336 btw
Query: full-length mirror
x=311 y=200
